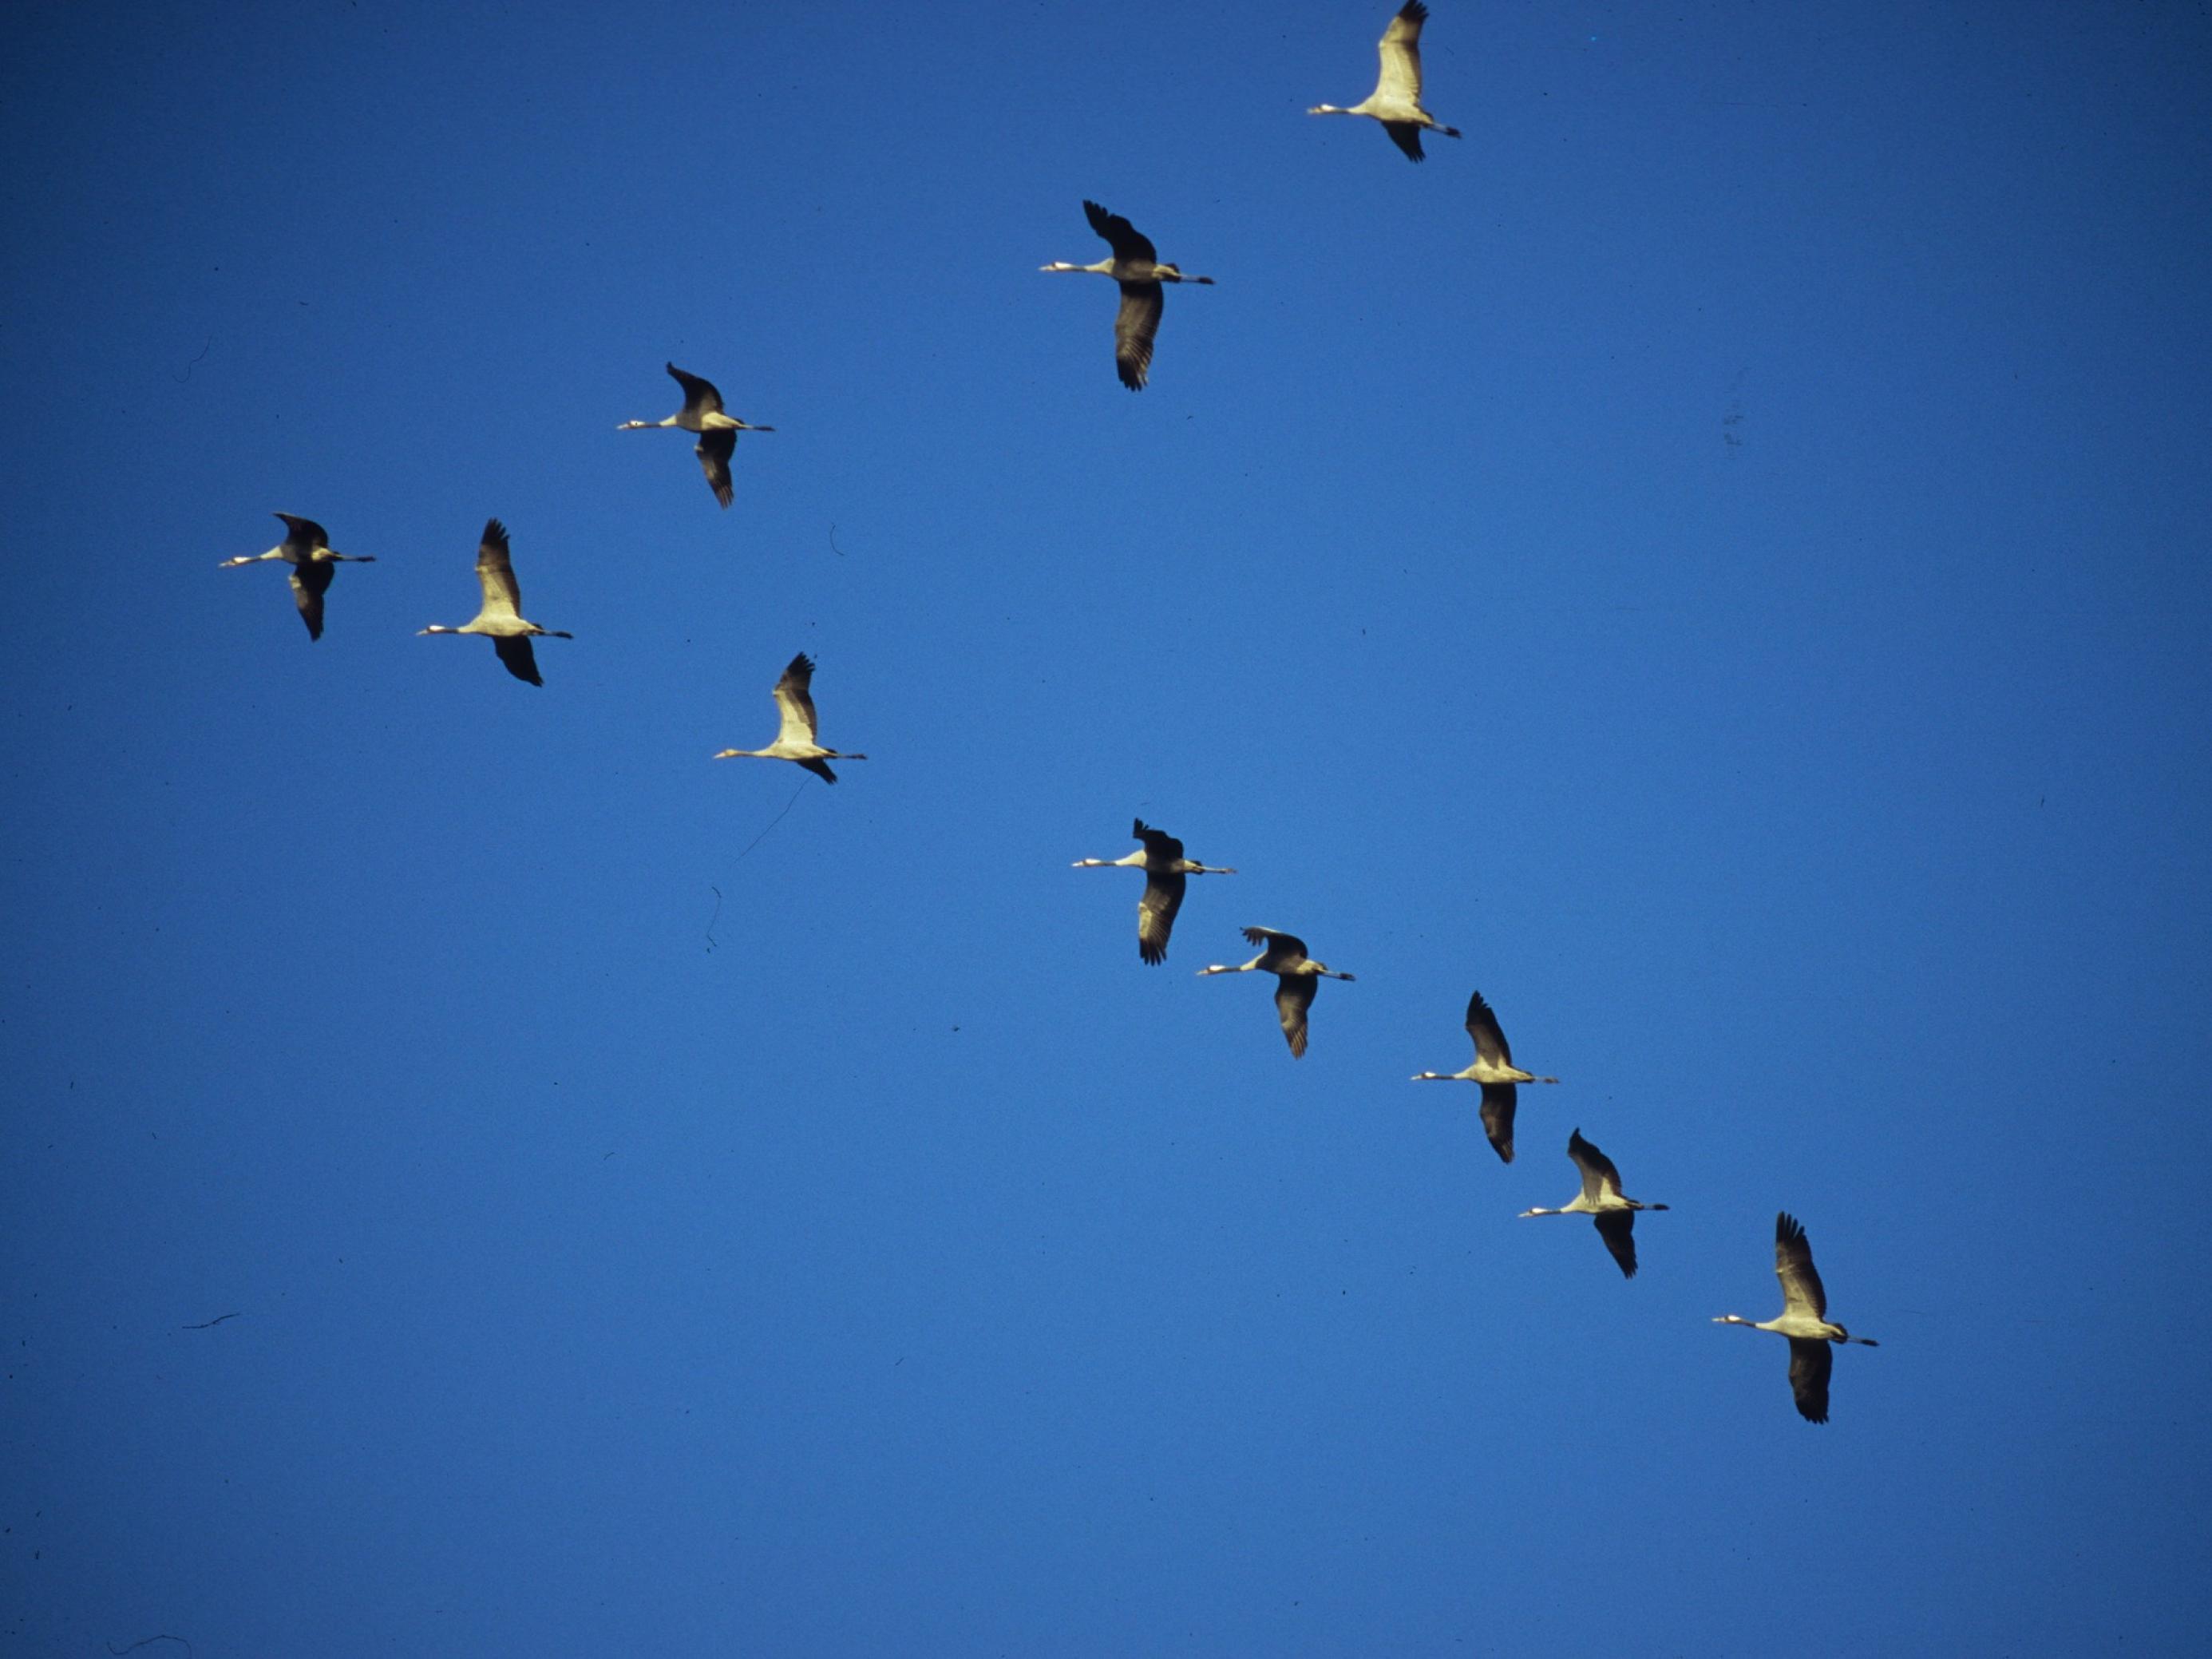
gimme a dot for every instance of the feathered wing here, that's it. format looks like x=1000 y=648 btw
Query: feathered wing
x=1135 y=325
x=521 y=662
x=794 y=701
x=1811 y=1359
x=305 y=533
x=1287 y=947
x=1124 y=238
x=1618 y=1229
x=1802 y=1290
x=1490 y=1044
x=1400 y=52
x=700 y=397
x=1597 y=1171
x=1407 y=137
x=1160 y=847
x=310 y=581
x=821 y=769
x=714 y=450
x=1498 y=1102
x=1155 y=912
x=1294 y=994
x=503 y=594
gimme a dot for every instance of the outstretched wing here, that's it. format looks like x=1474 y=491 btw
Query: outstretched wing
x=1156 y=910
x=1160 y=847
x=700 y=397
x=521 y=662
x=1401 y=52
x=714 y=450
x=307 y=534
x=1124 y=238
x=503 y=594
x=1618 y=1229
x=1802 y=1291
x=1811 y=1359
x=1135 y=325
x=821 y=769
x=1294 y=994
x=1407 y=137
x=1281 y=945
x=1490 y=1045
x=310 y=581
x=794 y=701
x=1597 y=1169
x=1498 y=1102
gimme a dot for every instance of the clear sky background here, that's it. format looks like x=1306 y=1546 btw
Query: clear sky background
x=1716 y=559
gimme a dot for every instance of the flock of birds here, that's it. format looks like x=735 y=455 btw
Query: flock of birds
x=1134 y=264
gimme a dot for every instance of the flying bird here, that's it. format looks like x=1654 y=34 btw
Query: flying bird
x=1396 y=99
x=1600 y=1199
x=1803 y=1320
x=502 y=615
x=1165 y=867
x=1298 y=977
x=718 y=432
x=307 y=549
x=1494 y=1069
x=794 y=739
x=1136 y=266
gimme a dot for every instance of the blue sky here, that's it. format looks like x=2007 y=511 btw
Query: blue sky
x=1715 y=559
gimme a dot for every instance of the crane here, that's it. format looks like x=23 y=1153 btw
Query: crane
x=1165 y=867
x=1298 y=977
x=1396 y=99
x=718 y=432
x=795 y=737
x=1803 y=1320
x=1494 y=1069
x=307 y=547
x=500 y=616
x=1601 y=1200
x=1136 y=266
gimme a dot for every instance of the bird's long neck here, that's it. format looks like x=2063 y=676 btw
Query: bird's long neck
x=1103 y=268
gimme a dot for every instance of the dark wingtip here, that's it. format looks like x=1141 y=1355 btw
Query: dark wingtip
x=1155 y=954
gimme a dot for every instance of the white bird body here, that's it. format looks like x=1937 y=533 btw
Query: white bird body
x=307 y=549
x=500 y=617
x=1136 y=265
x=1494 y=1069
x=1396 y=99
x=703 y=413
x=1602 y=1200
x=1298 y=977
x=795 y=736
x=1803 y=1320
x=1165 y=867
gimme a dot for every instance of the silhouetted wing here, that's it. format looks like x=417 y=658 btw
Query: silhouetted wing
x=1598 y=1172
x=1126 y=241
x=1294 y=994
x=821 y=769
x=1811 y=1359
x=1156 y=910
x=794 y=701
x=1134 y=326
x=1802 y=1291
x=1282 y=944
x=1401 y=52
x=1407 y=137
x=714 y=450
x=514 y=651
x=1618 y=1229
x=1498 y=1102
x=503 y=594
x=1490 y=1045
x=1160 y=847
x=310 y=581
x=700 y=397
x=305 y=532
